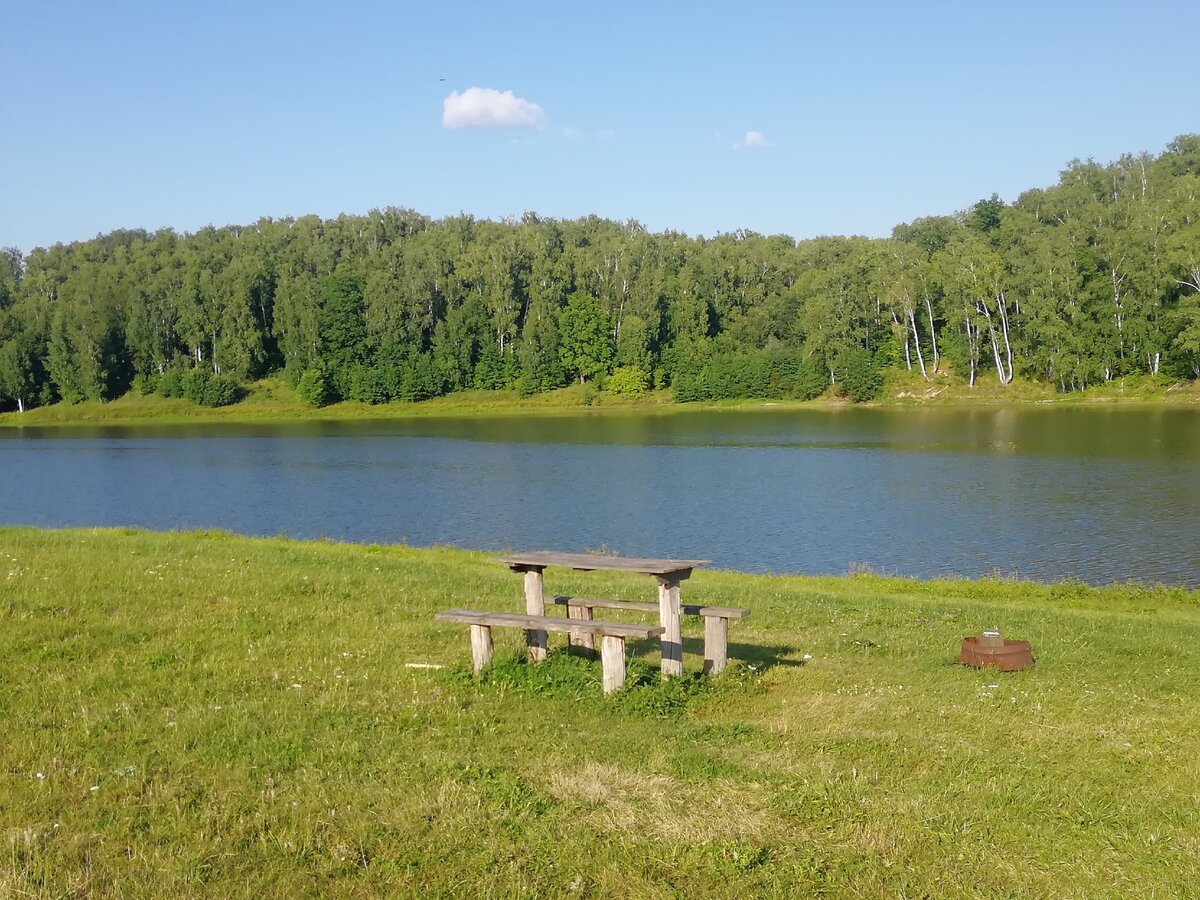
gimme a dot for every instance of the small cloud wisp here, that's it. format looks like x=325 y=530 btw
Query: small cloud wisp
x=478 y=107
x=754 y=140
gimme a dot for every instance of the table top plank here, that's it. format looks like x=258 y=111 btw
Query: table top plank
x=585 y=562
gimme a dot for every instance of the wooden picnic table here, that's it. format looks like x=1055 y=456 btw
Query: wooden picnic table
x=667 y=572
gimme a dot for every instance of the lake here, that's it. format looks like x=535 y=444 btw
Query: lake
x=1099 y=494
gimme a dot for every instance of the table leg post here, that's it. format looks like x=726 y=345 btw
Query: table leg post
x=716 y=643
x=612 y=662
x=583 y=644
x=535 y=605
x=481 y=647
x=668 y=618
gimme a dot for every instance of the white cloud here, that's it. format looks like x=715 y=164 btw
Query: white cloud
x=753 y=140
x=478 y=107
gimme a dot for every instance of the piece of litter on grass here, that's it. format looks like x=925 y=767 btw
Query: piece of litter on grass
x=423 y=666
x=807 y=657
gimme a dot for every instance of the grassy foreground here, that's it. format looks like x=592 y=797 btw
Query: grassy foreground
x=209 y=714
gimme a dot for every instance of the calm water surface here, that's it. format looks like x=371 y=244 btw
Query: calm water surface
x=1097 y=494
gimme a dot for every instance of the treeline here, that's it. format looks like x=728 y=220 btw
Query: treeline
x=1095 y=278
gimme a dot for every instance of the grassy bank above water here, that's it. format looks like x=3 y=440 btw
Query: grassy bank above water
x=205 y=713
x=272 y=399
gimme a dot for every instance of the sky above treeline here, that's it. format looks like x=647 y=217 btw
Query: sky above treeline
x=700 y=117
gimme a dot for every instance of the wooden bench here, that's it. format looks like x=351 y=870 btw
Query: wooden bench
x=612 y=637
x=716 y=624
x=667 y=572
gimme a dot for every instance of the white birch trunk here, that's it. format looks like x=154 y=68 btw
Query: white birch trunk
x=972 y=351
x=996 y=356
x=907 y=358
x=932 y=334
x=1001 y=303
x=912 y=321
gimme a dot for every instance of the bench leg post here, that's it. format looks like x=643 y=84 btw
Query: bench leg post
x=535 y=605
x=716 y=642
x=481 y=647
x=612 y=661
x=668 y=618
x=583 y=644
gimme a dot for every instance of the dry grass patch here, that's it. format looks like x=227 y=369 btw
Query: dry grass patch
x=666 y=808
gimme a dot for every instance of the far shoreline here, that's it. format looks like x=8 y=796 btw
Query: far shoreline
x=272 y=400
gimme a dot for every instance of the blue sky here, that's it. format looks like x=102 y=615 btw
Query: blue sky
x=156 y=114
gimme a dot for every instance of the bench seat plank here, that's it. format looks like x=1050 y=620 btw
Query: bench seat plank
x=688 y=609
x=548 y=623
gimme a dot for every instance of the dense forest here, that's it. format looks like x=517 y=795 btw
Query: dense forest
x=1095 y=278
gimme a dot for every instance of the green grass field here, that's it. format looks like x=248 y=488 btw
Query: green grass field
x=204 y=714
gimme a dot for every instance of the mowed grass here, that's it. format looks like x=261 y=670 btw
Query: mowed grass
x=205 y=714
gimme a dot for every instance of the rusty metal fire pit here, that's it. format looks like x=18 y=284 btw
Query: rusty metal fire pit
x=990 y=651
